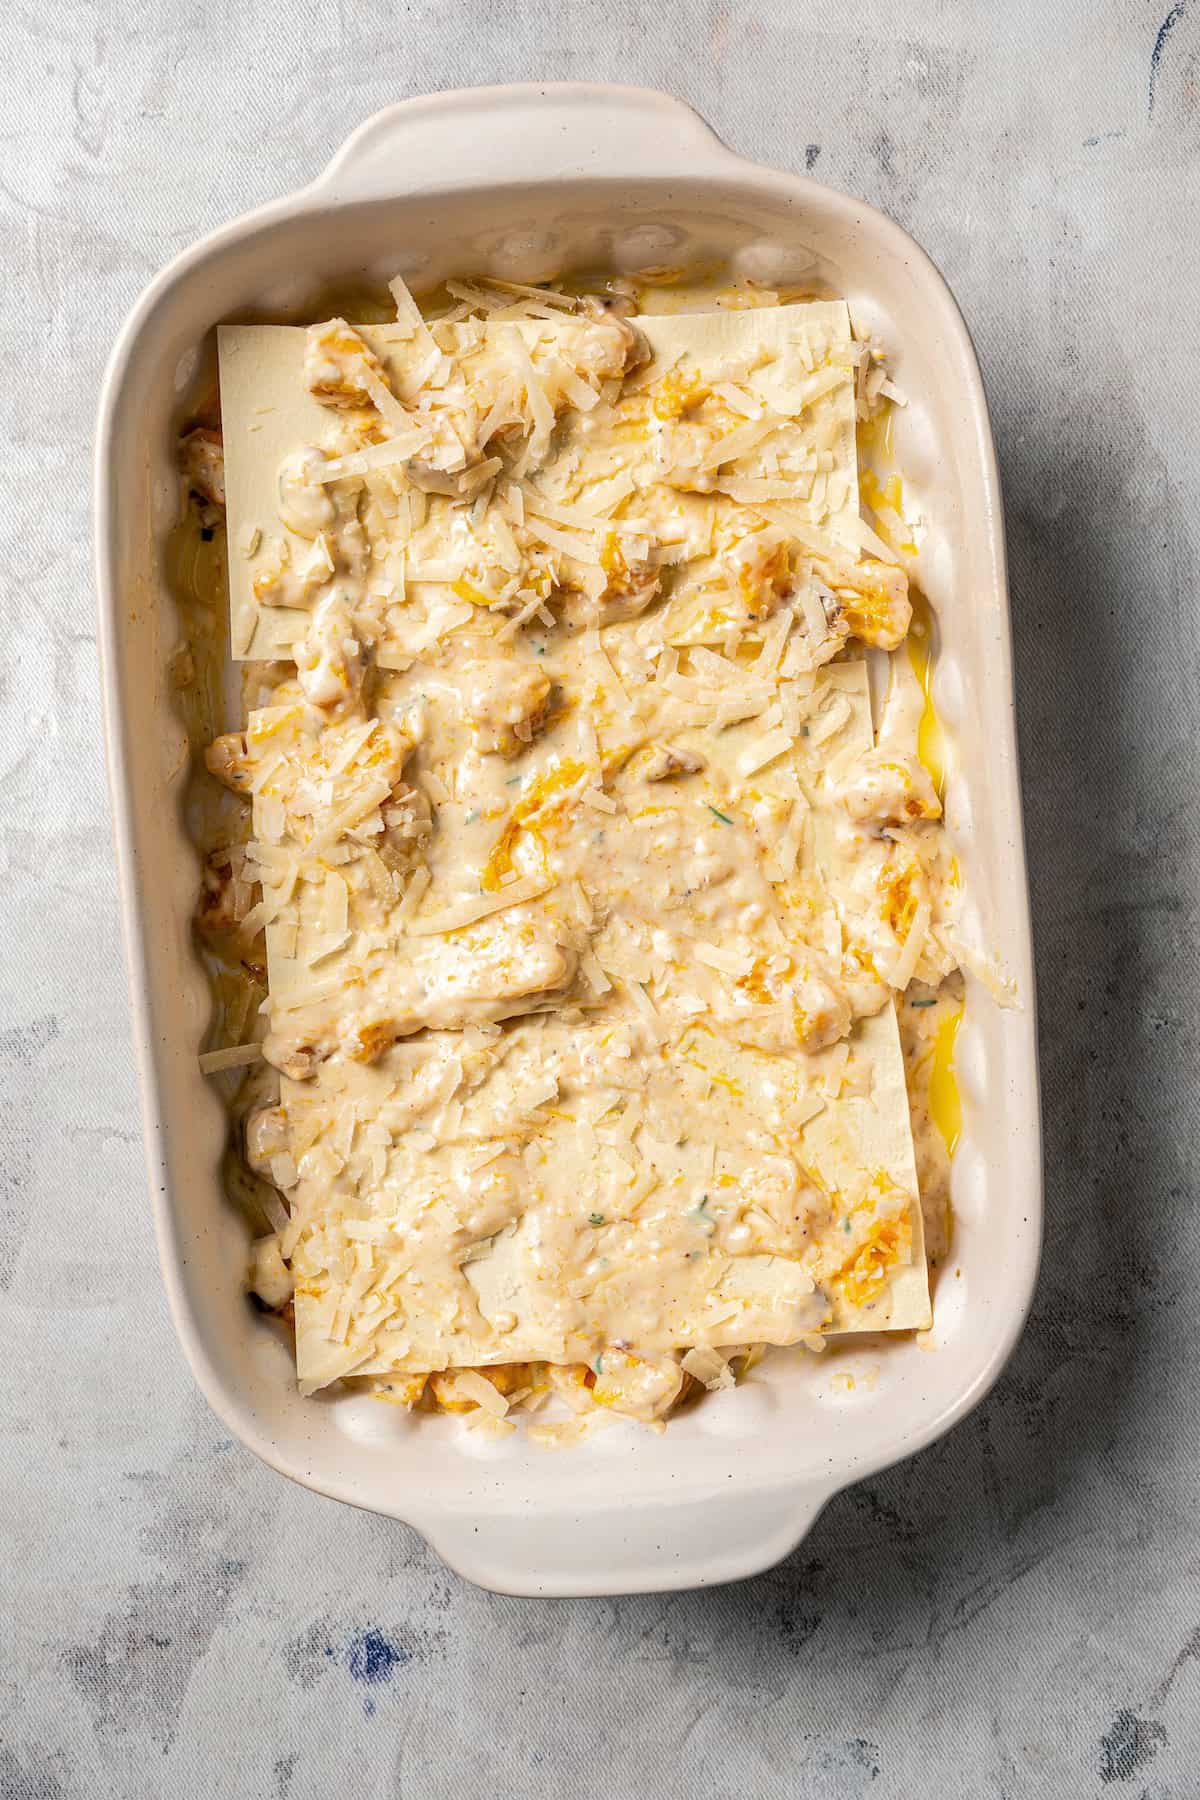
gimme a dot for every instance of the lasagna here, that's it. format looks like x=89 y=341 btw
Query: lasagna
x=580 y=867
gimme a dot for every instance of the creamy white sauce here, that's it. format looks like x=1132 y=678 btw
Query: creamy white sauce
x=638 y=733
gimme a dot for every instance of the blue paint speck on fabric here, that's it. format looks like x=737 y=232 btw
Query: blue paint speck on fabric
x=371 y=1660
x=1160 y=43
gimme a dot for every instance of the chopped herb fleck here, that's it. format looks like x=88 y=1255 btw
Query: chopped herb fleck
x=595 y=1218
x=922 y=1003
x=703 y=1204
x=514 y=781
x=471 y=817
x=598 y=1365
x=718 y=814
x=846 y=1225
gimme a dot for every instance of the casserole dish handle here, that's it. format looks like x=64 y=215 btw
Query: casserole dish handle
x=501 y=136
x=637 y=1548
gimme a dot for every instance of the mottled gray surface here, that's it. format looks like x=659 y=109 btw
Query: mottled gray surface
x=1017 y=1612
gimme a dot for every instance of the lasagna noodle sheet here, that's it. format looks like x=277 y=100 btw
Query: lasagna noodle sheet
x=606 y=1227
x=505 y=1303
x=267 y=413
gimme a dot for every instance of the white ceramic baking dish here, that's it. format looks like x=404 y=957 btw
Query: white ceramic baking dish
x=527 y=182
